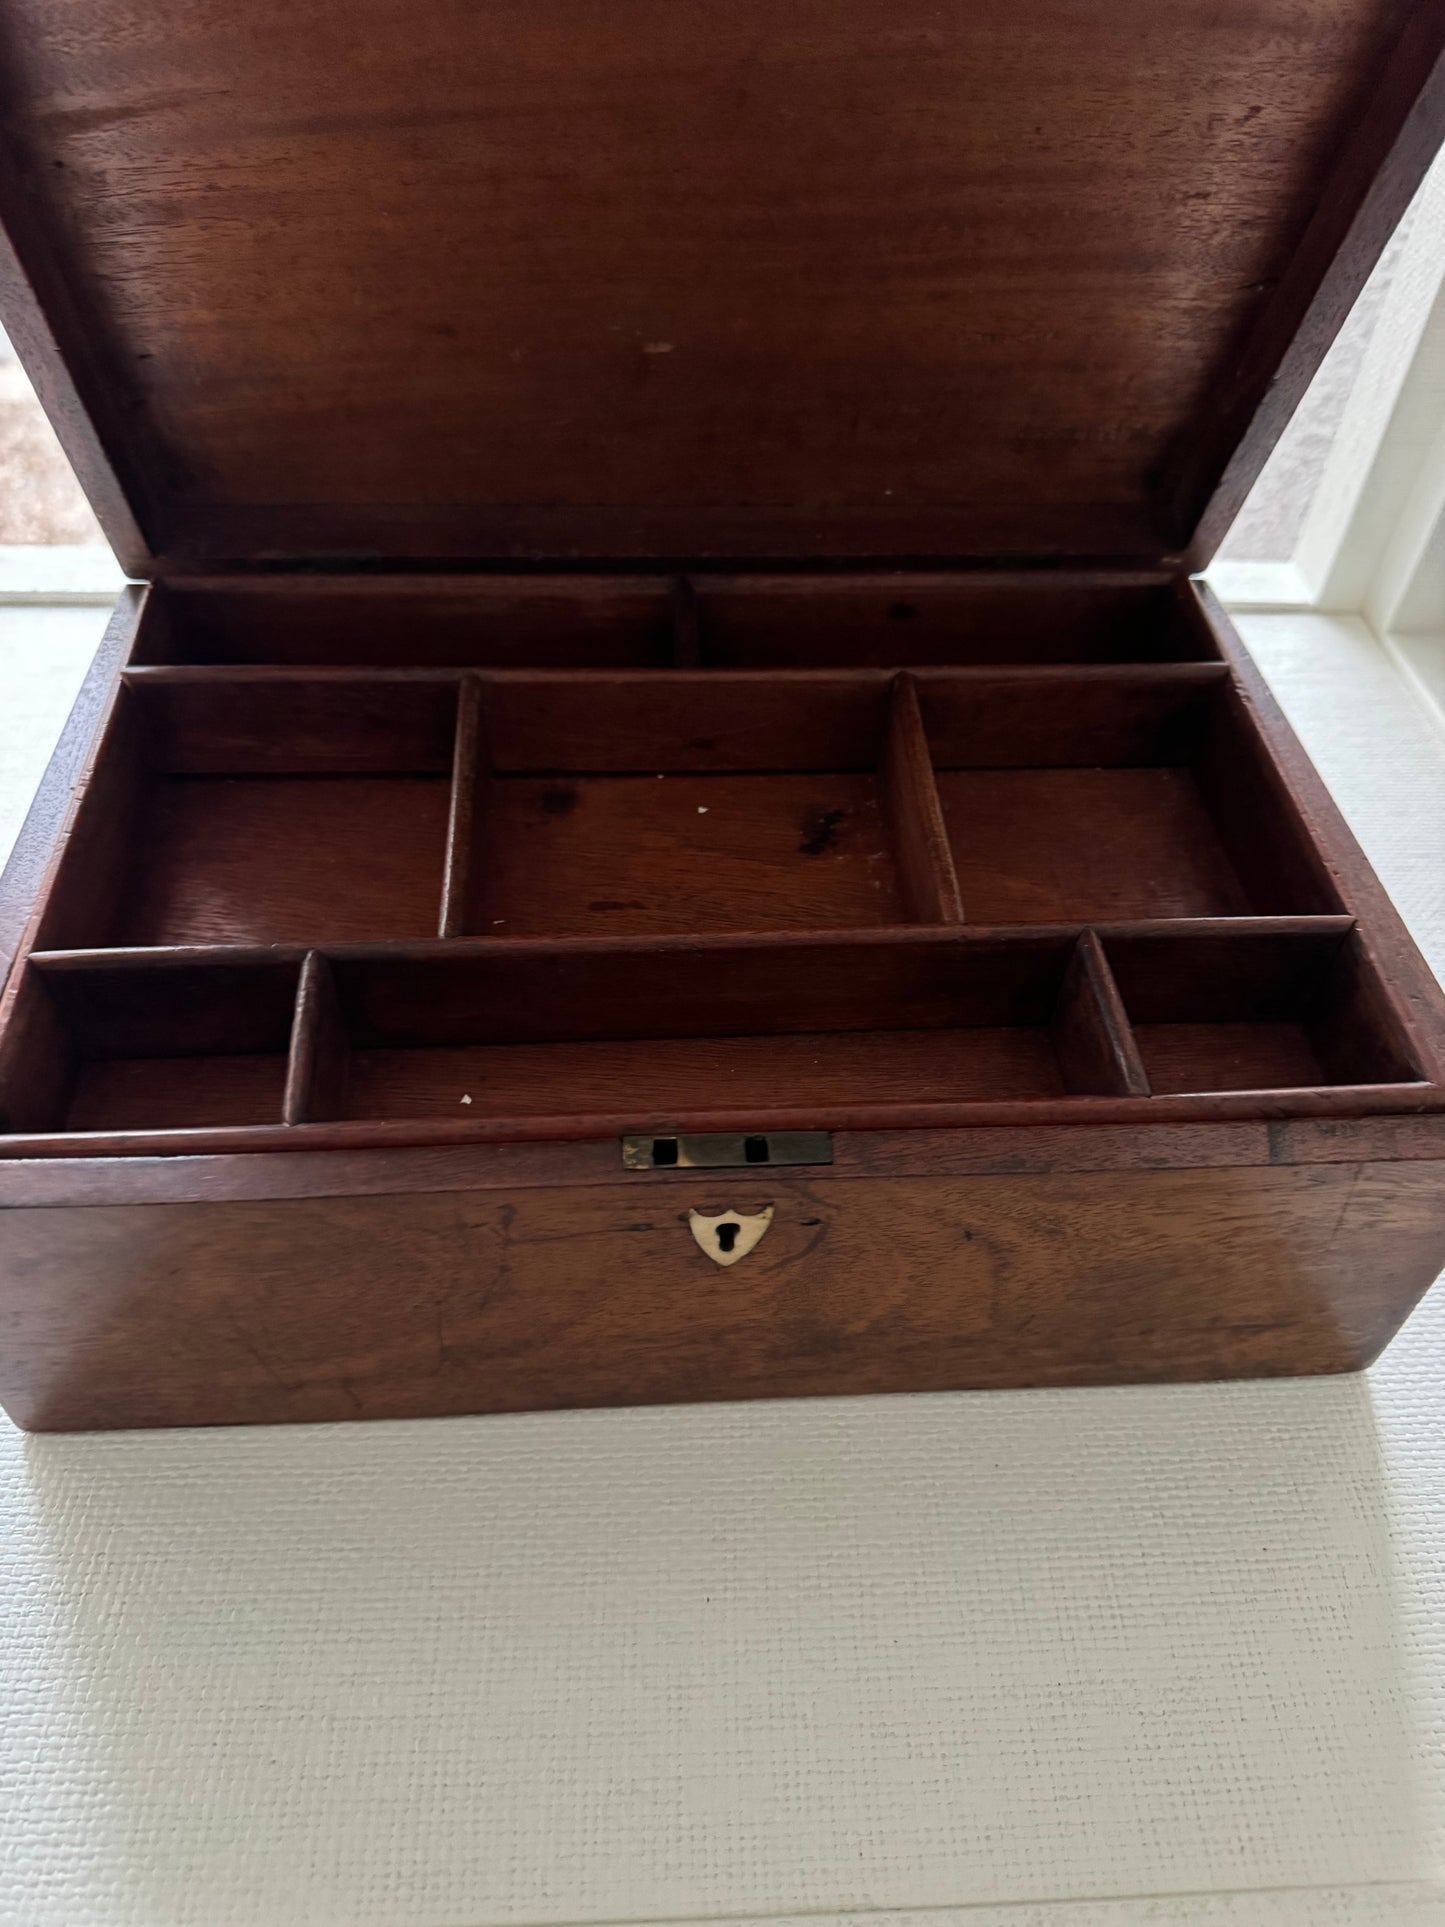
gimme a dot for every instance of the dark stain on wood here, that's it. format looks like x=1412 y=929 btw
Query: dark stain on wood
x=821 y=831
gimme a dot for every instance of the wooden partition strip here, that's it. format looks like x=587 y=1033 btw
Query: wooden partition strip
x=250 y=721
x=470 y=768
x=1042 y=716
x=318 y=1060
x=1093 y=1039
x=686 y=629
x=1348 y=1105
x=929 y=886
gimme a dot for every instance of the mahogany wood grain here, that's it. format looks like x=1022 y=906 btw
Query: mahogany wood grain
x=1093 y=1038
x=176 y=1093
x=1355 y=1023
x=1217 y=972
x=82 y=893
x=916 y=617
x=1040 y=717
x=1050 y=845
x=37 y=1058
x=627 y=722
x=318 y=1063
x=1258 y=1012
x=693 y=365
x=471 y=780
x=452 y=1301
x=396 y=620
x=1256 y=818
x=881 y=619
x=1228 y=1057
x=612 y=855
x=1274 y=1106
x=308 y=859
x=69 y=1181
x=654 y=1079
x=141 y=1003
x=927 y=884
x=532 y=990
x=249 y=724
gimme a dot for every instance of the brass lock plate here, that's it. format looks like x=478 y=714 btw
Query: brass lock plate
x=720 y=1150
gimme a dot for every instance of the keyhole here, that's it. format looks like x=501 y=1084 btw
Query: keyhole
x=727 y=1236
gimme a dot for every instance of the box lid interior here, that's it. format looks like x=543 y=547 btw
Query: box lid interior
x=398 y=282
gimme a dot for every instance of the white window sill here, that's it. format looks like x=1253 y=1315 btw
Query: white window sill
x=33 y=573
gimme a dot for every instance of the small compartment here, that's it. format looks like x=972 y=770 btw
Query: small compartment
x=662 y=804
x=263 y=808
x=914 y=618
x=413 y=622
x=882 y=619
x=1257 y=1011
x=632 y=1033
x=1113 y=795
x=146 y=1043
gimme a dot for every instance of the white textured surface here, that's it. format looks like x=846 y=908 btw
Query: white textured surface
x=1082 y=1659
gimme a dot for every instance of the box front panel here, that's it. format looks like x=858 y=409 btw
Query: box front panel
x=406 y=1305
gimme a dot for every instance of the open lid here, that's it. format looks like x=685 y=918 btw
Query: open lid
x=361 y=281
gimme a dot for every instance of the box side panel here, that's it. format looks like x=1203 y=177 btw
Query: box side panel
x=1411 y=987
x=464 y=1301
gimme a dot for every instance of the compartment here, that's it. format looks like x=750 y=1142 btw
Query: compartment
x=413 y=622
x=262 y=808
x=915 y=617
x=634 y=1032
x=882 y=619
x=141 y=1042
x=674 y=802
x=581 y=1036
x=1113 y=795
x=1257 y=1011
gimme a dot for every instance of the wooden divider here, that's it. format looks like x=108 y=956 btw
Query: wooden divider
x=1093 y=1037
x=470 y=768
x=928 y=884
x=319 y=1054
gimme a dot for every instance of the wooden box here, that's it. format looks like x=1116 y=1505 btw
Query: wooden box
x=666 y=818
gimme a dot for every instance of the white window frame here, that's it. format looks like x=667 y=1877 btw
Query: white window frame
x=1372 y=544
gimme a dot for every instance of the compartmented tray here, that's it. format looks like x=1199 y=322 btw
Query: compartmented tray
x=471 y=901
